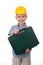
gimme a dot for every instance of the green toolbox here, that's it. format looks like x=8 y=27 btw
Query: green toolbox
x=25 y=39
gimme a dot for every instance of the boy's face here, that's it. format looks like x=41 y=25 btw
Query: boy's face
x=21 y=18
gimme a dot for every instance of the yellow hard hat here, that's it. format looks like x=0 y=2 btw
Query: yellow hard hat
x=20 y=10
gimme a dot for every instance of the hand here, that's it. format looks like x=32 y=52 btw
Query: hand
x=27 y=50
x=15 y=31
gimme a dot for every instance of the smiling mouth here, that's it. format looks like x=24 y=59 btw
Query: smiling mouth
x=21 y=21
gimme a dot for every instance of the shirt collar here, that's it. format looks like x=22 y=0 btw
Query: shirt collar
x=22 y=25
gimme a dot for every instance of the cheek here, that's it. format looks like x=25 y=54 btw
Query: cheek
x=24 y=18
x=18 y=19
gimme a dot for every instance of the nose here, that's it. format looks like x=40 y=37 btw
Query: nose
x=21 y=19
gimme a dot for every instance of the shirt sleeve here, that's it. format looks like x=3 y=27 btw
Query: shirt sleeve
x=11 y=31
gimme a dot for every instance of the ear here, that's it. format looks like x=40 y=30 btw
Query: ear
x=16 y=17
x=26 y=16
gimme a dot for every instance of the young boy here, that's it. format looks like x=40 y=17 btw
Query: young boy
x=21 y=15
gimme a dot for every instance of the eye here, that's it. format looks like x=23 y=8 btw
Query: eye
x=18 y=16
x=23 y=16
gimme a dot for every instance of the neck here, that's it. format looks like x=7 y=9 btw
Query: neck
x=20 y=25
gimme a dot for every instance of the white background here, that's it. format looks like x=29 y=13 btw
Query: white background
x=7 y=19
